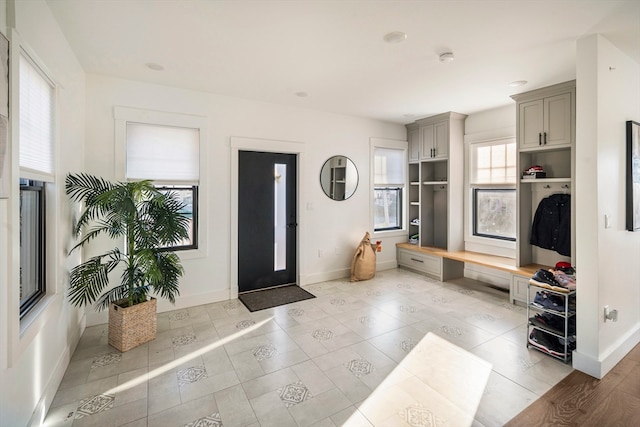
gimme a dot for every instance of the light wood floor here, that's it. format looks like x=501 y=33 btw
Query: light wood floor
x=581 y=400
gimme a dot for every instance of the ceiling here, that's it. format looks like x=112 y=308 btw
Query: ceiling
x=330 y=55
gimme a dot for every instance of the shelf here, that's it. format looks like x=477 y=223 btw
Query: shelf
x=435 y=182
x=569 y=313
x=414 y=183
x=414 y=203
x=543 y=180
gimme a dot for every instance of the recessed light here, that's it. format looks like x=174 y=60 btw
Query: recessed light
x=446 y=57
x=395 y=37
x=302 y=94
x=517 y=83
x=153 y=66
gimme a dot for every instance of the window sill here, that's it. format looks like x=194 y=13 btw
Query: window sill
x=390 y=233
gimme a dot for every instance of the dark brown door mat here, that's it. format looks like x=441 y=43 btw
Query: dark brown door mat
x=273 y=297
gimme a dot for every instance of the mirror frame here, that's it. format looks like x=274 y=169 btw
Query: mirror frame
x=339 y=178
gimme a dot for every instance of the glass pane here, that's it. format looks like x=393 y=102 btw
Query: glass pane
x=280 y=217
x=387 y=208
x=186 y=196
x=495 y=213
x=29 y=244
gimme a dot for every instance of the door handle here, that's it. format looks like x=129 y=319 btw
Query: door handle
x=539 y=138
x=545 y=138
x=292 y=224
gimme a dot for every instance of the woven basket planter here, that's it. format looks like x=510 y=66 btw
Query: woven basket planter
x=132 y=326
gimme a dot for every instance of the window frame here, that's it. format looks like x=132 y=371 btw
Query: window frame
x=39 y=186
x=399 y=206
x=474 y=216
x=195 y=213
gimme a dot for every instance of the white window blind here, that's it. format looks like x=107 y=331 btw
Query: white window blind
x=163 y=153
x=493 y=163
x=36 y=119
x=389 y=166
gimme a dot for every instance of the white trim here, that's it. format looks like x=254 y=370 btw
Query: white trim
x=598 y=368
x=236 y=145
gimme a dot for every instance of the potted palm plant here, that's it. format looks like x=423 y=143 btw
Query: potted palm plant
x=145 y=220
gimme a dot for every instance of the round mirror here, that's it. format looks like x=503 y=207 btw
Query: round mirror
x=339 y=178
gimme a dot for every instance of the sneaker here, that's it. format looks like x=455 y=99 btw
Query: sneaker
x=549 y=301
x=545 y=279
x=547 y=343
x=565 y=280
x=553 y=323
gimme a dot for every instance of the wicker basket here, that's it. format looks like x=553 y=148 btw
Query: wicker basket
x=132 y=326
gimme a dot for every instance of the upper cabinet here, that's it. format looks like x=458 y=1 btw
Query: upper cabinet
x=546 y=120
x=434 y=139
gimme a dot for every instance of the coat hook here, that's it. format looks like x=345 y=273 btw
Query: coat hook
x=565 y=186
x=547 y=186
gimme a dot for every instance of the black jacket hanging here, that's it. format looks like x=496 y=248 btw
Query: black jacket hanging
x=552 y=224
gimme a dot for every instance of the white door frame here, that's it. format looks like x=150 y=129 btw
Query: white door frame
x=238 y=144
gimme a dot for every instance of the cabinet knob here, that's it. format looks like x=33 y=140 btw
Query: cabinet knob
x=545 y=138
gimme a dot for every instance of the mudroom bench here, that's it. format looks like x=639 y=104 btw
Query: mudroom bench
x=446 y=265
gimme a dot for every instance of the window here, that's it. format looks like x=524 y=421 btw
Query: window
x=36 y=119
x=494 y=213
x=389 y=165
x=169 y=155
x=32 y=244
x=188 y=195
x=493 y=176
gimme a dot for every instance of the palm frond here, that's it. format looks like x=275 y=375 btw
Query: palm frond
x=89 y=279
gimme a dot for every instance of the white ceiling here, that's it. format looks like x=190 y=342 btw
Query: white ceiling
x=334 y=50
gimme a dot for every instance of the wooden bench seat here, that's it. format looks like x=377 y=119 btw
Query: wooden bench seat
x=447 y=265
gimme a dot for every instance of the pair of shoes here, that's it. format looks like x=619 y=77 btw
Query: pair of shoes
x=415 y=221
x=545 y=279
x=553 y=323
x=547 y=343
x=549 y=301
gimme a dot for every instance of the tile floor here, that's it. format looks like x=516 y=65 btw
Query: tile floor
x=398 y=350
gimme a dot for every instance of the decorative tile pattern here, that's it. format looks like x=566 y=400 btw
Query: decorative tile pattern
x=180 y=315
x=465 y=291
x=484 y=316
x=244 y=324
x=526 y=364
x=408 y=309
x=295 y=393
x=403 y=286
x=106 y=359
x=439 y=299
x=231 y=305
x=264 y=352
x=212 y=420
x=95 y=404
x=374 y=293
x=408 y=345
x=338 y=301
x=183 y=339
x=452 y=331
x=295 y=312
x=512 y=307
x=191 y=375
x=367 y=320
x=418 y=416
x=359 y=367
x=322 y=334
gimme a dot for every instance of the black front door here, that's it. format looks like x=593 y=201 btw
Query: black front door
x=267 y=228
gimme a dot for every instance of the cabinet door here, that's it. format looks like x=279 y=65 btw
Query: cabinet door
x=531 y=124
x=426 y=142
x=414 y=145
x=557 y=120
x=441 y=139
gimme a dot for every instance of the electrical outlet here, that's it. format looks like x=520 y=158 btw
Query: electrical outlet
x=320 y=253
x=610 y=314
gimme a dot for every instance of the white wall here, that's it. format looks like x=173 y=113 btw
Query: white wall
x=333 y=227
x=36 y=351
x=607 y=259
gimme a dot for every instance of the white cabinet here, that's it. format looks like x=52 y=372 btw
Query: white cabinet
x=545 y=123
x=424 y=263
x=436 y=180
x=545 y=120
x=519 y=288
x=434 y=140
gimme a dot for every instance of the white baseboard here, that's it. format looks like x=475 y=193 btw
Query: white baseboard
x=193 y=300
x=599 y=368
x=310 y=279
